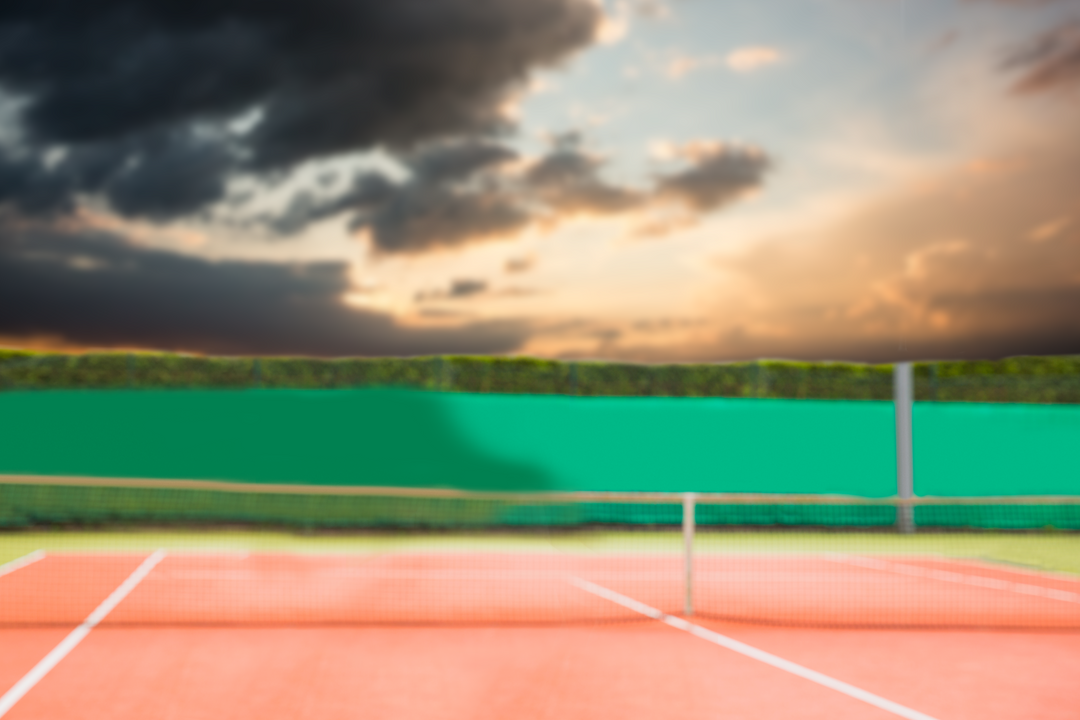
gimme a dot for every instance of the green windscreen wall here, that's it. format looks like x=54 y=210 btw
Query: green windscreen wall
x=512 y=442
x=978 y=449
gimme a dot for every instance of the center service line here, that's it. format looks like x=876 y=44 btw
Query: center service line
x=752 y=652
x=76 y=636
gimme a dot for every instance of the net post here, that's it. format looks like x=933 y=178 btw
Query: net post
x=689 y=501
x=903 y=392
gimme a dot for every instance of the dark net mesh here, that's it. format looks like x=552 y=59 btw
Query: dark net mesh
x=222 y=554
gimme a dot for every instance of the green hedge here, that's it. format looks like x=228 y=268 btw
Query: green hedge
x=1021 y=379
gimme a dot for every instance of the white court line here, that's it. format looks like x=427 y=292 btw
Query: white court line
x=434 y=574
x=58 y=653
x=1004 y=566
x=752 y=652
x=955 y=577
x=194 y=554
x=28 y=559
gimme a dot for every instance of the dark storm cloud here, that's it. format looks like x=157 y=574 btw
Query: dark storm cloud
x=427 y=213
x=451 y=197
x=717 y=176
x=459 y=289
x=305 y=208
x=467 y=288
x=169 y=175
x=95 y=289
x=422 y=218
x=568 y=180
x=31 y=187
x=157 y=176
x=1050 y=61
x=460 y=193
x=152 y=87
x=453 y=162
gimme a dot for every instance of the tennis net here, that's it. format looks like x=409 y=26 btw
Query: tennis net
x=209 y=553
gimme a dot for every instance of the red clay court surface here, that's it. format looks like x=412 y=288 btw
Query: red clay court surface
x=129 y=667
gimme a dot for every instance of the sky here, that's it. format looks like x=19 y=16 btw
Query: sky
x=629 y=180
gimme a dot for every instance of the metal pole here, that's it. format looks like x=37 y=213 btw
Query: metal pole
x=688 y=552
x=903 y=391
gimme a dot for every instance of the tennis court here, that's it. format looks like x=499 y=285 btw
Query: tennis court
x=587 y=623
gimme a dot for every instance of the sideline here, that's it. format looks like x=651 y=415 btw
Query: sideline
x=58 y=653
x=752 y=652
x=28 y=559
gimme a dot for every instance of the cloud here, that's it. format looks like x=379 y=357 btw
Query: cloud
x=520 y=264
x=1051 y=61
x=462 y=289
x=95 y=289
x=568 y=181
x=454 y=195
x=651 y=9
x=679 y=66
x=613 y=28
x=137 y=93
x=716 y=174
x=1017 y=3
x=741 y=60
x=459 y=289
x=751 y=58
x=947 y=269
x=666 y=324
x=467 y=288
x=1049 y=230
x=514 y=291
x=29 y=186
x=953 y=263
x=157 y=176
x=616 y=22
x=461 y=193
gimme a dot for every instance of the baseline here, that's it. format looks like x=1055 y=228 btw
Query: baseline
x=752 y=652
x=959 y=578
x=47 y=663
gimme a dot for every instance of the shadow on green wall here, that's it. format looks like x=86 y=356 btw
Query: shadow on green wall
x=358 y=437
x=412 y=439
